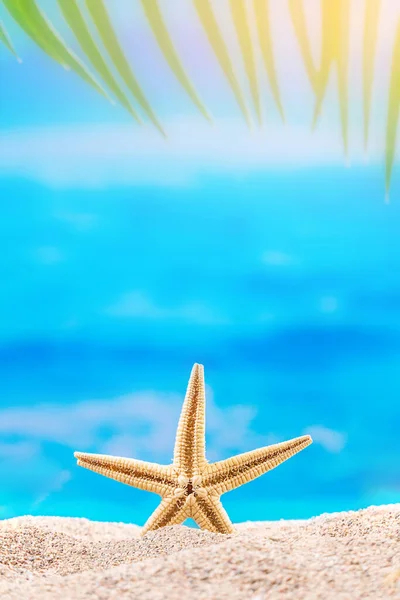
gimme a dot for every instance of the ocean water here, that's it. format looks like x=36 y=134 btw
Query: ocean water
x=286 y=288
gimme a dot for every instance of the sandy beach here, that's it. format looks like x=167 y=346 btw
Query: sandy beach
x=343 y=556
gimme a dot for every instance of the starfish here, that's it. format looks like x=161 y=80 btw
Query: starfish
x=191 y=487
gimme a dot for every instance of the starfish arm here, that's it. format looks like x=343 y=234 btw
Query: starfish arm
x=189 y=452
x=171 y=511
x=137 y=473
x=209 y=514
x=229 y=474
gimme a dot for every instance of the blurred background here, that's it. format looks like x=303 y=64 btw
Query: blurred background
x=268 y=253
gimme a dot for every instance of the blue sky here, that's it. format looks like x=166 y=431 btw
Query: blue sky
x=125 y=259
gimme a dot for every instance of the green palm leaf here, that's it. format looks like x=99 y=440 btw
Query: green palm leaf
x=76 y=22
x=261 y=10
x=371 y=22
x=101 y=19
x=26 y=25
x=334 y=52
x=393 y=111
x=160 y=31
x=240 y=21
x=5 y=39
x=29 y=16
x=214 y=35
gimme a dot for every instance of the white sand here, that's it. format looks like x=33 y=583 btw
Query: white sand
x=348 y=556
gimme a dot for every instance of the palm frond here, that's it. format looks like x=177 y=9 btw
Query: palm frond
x=261 y=11
x=111 y=67
x=393 y=111
x=103 y=24
x=27 y=14
x=296 y=8
x=160 y=31
x=371 y=23
x=342 y=58
x=335 y=34
x=5 y=39
x=26 y=25
x=240 y=21
x=330 y=24
x=214 y=35
x=77 y=24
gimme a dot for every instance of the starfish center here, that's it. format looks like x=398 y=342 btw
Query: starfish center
x=190 y=487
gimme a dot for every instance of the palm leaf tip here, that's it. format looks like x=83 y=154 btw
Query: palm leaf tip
x=165 y=43
x=214 y=35
x=393 y=111
x=261 y=10
x=298 y=18
x=242 y=28
x=76 y=22
x=371 y=24
x=102 y=22
x=6 y=40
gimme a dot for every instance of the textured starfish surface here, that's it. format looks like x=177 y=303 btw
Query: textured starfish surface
x=191 y=487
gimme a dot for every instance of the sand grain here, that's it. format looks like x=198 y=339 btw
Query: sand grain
x=343 y=556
